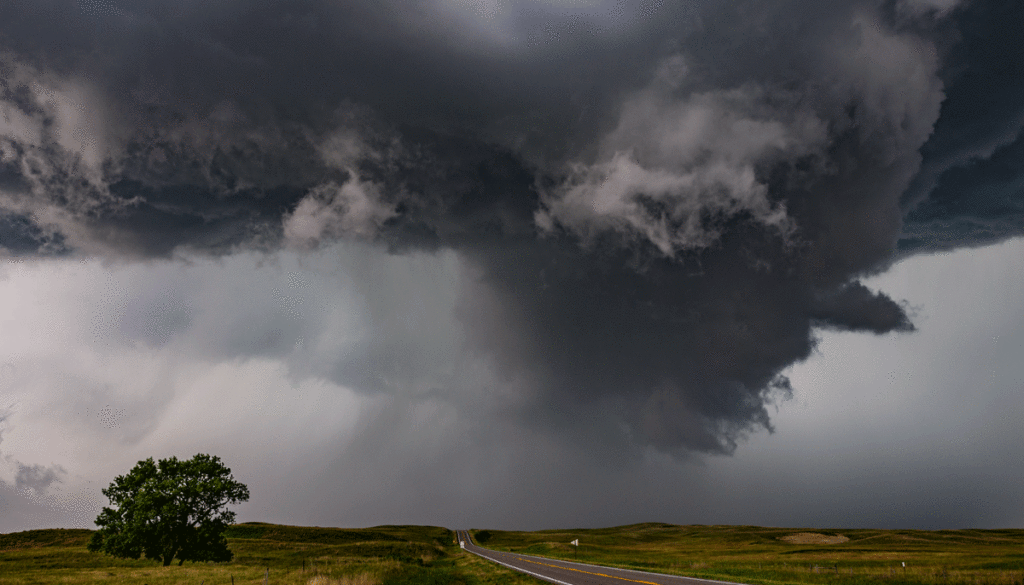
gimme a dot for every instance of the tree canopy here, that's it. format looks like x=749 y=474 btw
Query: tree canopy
x=169 y=510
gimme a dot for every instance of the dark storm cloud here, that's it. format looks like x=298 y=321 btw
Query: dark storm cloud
x=20 y=235
x=854 y=307
x=660 y=199
x=981 y=202
x=969 y=191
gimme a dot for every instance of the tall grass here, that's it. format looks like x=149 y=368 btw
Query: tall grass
x=360 y=579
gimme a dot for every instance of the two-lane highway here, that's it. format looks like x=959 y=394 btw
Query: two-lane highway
x=570 y=573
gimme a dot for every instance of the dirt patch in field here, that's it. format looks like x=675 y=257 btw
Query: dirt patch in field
x=813 y=538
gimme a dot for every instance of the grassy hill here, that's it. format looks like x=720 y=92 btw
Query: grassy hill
x=289 y=555
x=753 y=554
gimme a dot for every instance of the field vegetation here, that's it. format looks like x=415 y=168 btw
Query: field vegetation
x=769 y=556
x=263 y=553
x=422 y=555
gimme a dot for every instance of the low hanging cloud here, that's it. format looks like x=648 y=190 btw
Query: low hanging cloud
x=670 y=163
x=330 y=211
x=31 y=480
x=656 y=203
x=37 y=478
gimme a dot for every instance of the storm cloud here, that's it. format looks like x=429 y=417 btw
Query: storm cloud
x=655 y=204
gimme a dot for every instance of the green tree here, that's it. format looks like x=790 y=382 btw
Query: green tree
x=170 y=509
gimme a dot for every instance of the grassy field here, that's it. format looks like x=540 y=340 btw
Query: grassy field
x=284 y=555
x=766 y=556
x=423 y=555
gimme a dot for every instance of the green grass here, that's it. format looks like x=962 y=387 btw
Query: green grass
x=294 y=555
x=752 y=554
x=424 y=555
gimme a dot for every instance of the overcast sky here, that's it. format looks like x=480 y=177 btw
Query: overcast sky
x=517 y=264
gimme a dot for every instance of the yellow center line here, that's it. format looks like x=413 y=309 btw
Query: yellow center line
x=588 y=572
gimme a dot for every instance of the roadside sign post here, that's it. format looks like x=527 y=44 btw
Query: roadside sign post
x=576 y=551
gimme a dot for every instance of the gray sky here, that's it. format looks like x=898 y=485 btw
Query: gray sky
x=517 y=264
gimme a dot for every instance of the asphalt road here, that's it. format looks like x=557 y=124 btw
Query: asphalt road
x=569 y=573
